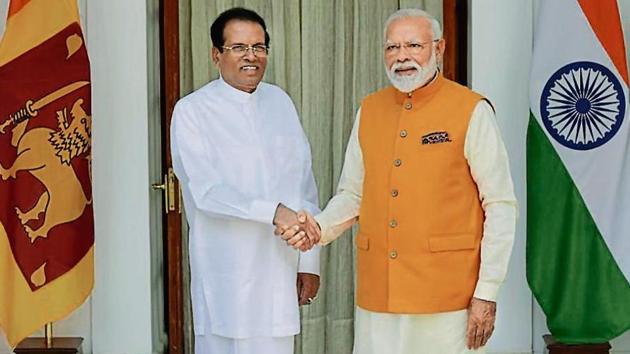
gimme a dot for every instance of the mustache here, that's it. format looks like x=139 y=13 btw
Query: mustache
x=405 y=65
x=408 y=83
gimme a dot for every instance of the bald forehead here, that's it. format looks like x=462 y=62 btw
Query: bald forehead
x=412 y=28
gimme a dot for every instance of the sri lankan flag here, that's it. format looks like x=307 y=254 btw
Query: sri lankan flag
x=46 y=218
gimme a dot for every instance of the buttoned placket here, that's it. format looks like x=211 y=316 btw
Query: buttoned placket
x=402 y=133
x=253 y=114
x=397 y=167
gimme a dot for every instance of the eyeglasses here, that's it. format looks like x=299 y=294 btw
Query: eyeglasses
x=259 y=50
x=411 y=47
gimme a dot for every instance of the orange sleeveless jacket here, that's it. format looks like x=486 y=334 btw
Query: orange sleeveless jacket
x=421 y=219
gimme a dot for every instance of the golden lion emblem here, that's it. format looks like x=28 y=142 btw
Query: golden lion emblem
x=46 y=154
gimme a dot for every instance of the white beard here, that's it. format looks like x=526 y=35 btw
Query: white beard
x=408 y=83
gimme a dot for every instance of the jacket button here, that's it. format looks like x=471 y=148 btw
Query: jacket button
x=393 y=254
x=408 y=105
x=393 y=223
x=397 y=162
x=394 y=193
x=403 y=133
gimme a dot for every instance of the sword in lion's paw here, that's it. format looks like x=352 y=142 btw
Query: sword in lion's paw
x=31 y=108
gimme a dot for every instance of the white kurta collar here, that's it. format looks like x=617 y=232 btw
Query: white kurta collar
x=233 y=93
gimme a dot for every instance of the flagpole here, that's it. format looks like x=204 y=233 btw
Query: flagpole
x=48 y=329
x=46 y=344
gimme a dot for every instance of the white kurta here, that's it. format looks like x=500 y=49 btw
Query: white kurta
x=237 y=155
x=489 y=166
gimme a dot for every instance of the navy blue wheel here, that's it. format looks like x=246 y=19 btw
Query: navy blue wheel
x=583 y=105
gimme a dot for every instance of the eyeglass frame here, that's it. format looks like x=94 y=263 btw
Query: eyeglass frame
x=407 y=45
x=248 y=47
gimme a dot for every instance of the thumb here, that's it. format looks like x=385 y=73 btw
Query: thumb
x=301 y=215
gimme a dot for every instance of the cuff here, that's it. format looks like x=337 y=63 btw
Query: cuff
x=263 y=211
x=327 y=234
x=330 y=231
x=309 y=261
x=486 y=291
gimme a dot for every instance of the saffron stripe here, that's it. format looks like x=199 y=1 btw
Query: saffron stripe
x=604 y=18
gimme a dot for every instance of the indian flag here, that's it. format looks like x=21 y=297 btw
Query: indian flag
x=578 y=171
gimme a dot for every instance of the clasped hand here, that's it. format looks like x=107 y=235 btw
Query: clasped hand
x=298 y=229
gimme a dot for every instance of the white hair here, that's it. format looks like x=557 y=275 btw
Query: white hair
x=409 y=83
x=436 y=28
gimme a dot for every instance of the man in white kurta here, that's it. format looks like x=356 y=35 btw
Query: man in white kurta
x=410 y=55
x=238 y=154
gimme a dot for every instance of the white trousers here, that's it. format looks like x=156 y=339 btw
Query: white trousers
x=443 y=333
x=213 y=344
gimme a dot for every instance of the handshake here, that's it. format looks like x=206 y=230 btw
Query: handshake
x=298 y=229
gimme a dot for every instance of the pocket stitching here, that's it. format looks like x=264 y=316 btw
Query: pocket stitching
x=364 y=244
x=456 y=242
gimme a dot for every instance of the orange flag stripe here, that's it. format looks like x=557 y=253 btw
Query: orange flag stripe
x=16 y=5
x=604 y=18
x=51 y=16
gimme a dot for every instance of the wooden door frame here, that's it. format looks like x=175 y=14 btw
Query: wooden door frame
x=455 y=13
x=455 y=24
x=169 y=36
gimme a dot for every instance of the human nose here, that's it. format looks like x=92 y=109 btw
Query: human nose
x=249 y=53
x=402 y=54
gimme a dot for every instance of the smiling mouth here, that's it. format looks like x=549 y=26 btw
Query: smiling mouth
x=249 y=68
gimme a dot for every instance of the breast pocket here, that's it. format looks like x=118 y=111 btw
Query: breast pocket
x=443 y=148
x=439 y=160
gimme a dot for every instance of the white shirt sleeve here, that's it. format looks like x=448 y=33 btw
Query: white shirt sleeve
x=196 y=168
x=343 y=209
x=489 y=166
x=309 y=261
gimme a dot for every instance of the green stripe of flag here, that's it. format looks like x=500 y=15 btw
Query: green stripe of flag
x=569 y=267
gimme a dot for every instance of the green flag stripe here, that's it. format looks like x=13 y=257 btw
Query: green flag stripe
x=569 y=266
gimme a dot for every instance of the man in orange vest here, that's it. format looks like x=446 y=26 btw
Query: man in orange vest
x=428 y=174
